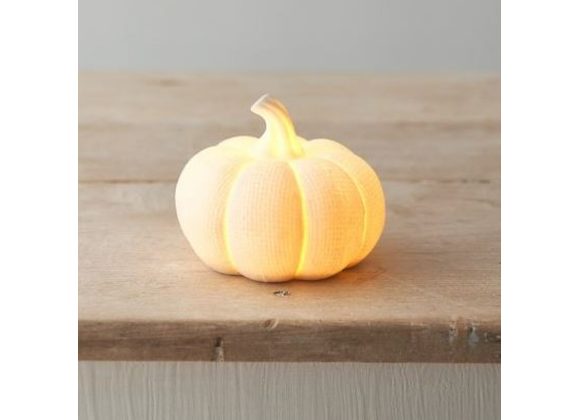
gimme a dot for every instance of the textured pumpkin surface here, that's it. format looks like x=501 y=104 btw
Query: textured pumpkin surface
x=279 y=207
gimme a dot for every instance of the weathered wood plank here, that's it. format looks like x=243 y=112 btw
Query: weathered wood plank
x=423 y=294
x=145 y=127
x=225 y=99
x=402 y=151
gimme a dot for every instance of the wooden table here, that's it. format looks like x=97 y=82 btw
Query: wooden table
x=429 y=292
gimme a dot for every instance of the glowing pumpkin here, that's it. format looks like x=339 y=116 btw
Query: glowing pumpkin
x=279 y=207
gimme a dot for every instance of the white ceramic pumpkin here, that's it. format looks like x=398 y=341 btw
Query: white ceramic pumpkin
x=279 y=207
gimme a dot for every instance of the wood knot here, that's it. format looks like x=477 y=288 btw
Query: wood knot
x=167 y=82
x=453 y=333
x=270 y=324
x=492 y=337
x=472 y=337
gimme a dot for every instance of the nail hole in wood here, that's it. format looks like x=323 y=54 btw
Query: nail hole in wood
x=218 y=350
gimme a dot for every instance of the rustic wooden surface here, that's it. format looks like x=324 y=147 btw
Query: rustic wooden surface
x=429 y=292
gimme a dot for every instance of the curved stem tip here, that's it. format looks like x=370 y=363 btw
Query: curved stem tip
x=279 y=140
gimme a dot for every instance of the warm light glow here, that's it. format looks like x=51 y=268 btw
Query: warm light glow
x=279 y=207
x=279 y=140
x=304 y=246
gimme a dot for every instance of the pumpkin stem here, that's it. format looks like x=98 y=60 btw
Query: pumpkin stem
x=279 y=139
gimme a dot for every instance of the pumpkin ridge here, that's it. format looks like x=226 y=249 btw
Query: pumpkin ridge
x=302 y=258
x=227 y=200
x=363 y=202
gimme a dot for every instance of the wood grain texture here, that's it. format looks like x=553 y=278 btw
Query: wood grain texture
x=428 y=292
x=184 y=390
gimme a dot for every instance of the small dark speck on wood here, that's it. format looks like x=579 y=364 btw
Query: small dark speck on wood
x=281 y=293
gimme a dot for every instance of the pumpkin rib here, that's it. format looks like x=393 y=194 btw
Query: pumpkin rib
x=196 y=216
x=227 y=212
x=265 y=226
x=304 y=220
x=317 y=200
x=369 y=182
x=364 y=205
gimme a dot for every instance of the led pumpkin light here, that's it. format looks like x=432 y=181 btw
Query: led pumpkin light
x=279 y=207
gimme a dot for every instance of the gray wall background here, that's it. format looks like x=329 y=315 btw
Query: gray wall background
x=261 y=35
